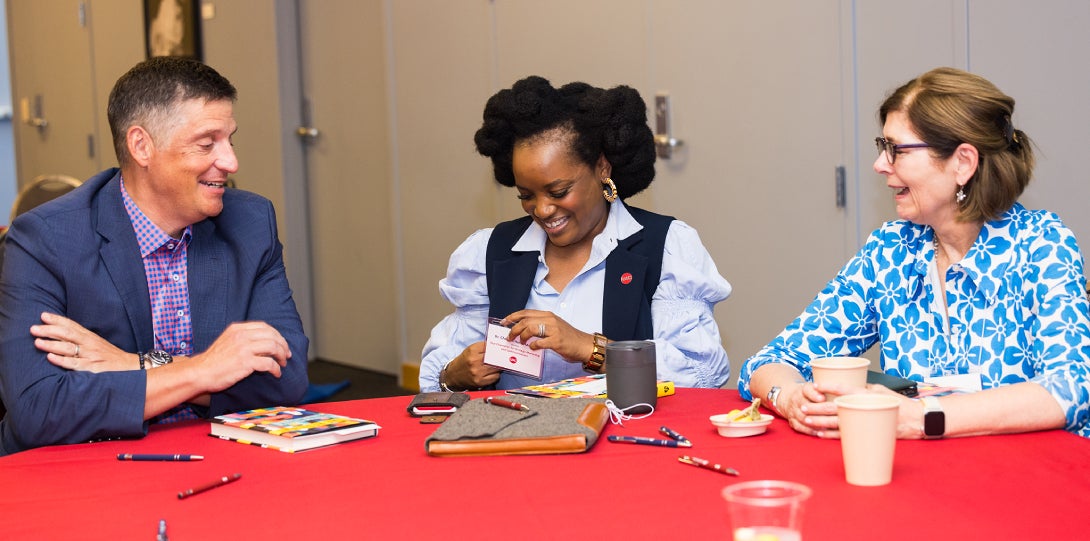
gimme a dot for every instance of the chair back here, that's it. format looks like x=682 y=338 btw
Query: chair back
x=43 y=188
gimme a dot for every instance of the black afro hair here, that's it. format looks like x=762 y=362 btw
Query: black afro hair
x=610 y=123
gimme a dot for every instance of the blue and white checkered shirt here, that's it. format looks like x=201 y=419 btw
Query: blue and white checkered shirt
x=165 y=266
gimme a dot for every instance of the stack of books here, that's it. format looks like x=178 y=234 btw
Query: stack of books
x=591 y=386
x=290 y=429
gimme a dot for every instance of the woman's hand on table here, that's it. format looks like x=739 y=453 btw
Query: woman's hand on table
x=804 y=407
x=553 y=333
x=468 y=371
x=810 y=413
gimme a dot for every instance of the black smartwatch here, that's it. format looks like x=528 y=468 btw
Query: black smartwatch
x=154 y=359
x=934 y=419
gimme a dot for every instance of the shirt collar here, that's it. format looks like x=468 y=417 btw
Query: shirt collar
x=990 y=254
x=148 y=235
x=619 y=225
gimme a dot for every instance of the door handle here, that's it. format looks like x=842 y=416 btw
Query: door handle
x=664 y=142
x=307 y=133
x=36 y=120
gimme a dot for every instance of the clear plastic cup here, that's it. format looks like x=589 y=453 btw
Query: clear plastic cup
x=766 y=510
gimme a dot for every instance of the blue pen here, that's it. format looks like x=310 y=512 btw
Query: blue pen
x=162 y=535
x=649 y=441
x=671 y=434
x=159 y=458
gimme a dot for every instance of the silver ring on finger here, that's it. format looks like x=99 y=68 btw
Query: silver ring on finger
x=77 y=350
x=541 y=330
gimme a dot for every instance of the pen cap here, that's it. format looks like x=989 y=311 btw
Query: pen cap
x=630 y=374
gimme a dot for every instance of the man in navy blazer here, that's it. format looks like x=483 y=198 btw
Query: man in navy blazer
x=152 y=292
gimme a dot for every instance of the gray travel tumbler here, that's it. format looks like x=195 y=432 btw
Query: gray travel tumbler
x=630 y=374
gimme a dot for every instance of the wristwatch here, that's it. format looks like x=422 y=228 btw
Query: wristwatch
x=443 y=386
x=154 y=359
x=934 y=419
x=771 y=397
x=597 y=355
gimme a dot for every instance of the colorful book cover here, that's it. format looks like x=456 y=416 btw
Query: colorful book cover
x=591 y=385
x=290 y=429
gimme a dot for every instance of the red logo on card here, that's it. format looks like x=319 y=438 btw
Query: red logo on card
x=514 y=360
x=626 y=278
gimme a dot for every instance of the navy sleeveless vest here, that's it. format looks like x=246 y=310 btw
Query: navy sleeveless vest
x=633 y=270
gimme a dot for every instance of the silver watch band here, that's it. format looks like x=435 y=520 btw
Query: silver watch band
x=772 y=397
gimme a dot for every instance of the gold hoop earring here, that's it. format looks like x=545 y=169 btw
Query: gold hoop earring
x=610 y=193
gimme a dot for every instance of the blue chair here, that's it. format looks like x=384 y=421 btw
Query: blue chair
x=317 y=392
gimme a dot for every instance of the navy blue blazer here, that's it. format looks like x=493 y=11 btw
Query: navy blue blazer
x=78 y=256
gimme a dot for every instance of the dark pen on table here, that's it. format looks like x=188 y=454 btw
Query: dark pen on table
x=649 y=441
x=707 y=465
x=673 y=435
x=158 y=458
x=506 y=404
x=217 y=483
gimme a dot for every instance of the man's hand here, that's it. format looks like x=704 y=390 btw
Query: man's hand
x=69 y=345
x=242 y=349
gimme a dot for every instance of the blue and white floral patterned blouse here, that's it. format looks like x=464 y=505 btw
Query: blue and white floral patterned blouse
x=1017 y=307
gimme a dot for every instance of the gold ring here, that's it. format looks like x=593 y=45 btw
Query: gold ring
x=77 y=349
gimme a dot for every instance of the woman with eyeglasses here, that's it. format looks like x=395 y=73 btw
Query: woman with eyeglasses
x=968 y=289
x=582 y=268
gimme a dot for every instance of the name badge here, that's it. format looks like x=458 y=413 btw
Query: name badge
x=968 y=383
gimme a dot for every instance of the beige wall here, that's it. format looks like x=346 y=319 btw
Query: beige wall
x=441 y=77
x=80 y=62
x=443 y=59
x=245 y=41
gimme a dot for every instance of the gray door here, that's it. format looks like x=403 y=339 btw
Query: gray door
x=349 y=183
x=52 y=92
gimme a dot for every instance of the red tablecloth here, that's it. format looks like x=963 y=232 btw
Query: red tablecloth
x=1032 y=486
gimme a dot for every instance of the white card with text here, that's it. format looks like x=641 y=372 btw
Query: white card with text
x=511 y=355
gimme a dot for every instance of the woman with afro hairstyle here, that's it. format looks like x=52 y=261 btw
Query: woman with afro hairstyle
x=582 y=268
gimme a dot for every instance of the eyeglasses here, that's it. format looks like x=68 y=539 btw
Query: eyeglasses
x=891 y=150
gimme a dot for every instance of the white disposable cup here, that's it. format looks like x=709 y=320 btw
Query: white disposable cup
x=868 y=437
x=766 y=508
x=850 y=372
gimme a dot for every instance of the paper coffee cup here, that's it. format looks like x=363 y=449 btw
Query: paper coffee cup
x=849 y=372
x=868 y=436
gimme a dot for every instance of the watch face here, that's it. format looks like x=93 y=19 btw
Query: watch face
x=934 y=424
x=159 y=357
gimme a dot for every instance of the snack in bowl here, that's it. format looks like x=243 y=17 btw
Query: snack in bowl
x=751 y=413
x=740 y=423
